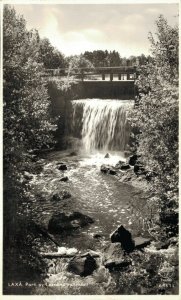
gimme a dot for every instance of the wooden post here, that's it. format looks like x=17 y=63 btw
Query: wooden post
x=128 y=76
x=119 y=76
x=103 y=76
x=111 y=77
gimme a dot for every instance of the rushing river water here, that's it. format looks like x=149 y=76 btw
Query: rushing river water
x=102 y=127
x=109 y=202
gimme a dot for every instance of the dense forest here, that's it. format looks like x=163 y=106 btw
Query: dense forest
x=30 y=126
x=100 y=58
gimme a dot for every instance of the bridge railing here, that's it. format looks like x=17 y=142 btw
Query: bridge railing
x=102 y=73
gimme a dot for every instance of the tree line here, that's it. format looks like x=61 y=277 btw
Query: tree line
x=106 y=58
x=54 y=59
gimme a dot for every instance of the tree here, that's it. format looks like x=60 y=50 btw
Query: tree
x=156 y=114
x=79 y=64
x=50 y=56
x=27 y=121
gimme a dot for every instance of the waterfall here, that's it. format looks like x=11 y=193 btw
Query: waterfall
x=102 y=123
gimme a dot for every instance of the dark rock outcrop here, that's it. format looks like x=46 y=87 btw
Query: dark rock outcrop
x=114 y=257
x=62 y=222
x=62 y=166
x=133 y=159
x=83 y=266
x=123 y=236
x=107 y=155
x=125 y=167
x=108 y=170
x=128 y=243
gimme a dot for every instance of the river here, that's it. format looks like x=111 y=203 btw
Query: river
x=109 y=202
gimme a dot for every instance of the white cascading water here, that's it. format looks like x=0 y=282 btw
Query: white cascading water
x=104 y=123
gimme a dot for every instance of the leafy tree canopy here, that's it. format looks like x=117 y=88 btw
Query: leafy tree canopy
x=78 y=63
x=27 y=123
x=156 y=114
x=50 y=56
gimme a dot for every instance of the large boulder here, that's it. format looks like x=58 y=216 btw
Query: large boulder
x=114 y=257
x=83 y=266
x=62 y=222
x=108 y=169
x=123 y=236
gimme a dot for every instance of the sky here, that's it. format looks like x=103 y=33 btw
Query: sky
x=75 y=28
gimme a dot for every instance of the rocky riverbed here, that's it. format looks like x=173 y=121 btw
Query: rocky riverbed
x=94 y=228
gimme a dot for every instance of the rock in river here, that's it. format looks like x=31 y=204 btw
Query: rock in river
x=114 y=257
x=65 y=178
x=83 y=266
x=119 y=164
x=123 y=236
x=62 y=166
x=62 y=222
x=141 y=242
x=133 y=159
x=125 y=167
x=108 y=170
x=61 y=195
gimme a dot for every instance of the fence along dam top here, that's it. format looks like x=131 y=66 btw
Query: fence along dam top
x=103 y=82
x=96 y=73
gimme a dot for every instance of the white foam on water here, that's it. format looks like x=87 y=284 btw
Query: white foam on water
x=99 y=159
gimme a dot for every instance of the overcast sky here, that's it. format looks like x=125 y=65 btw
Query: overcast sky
x=76 y=28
